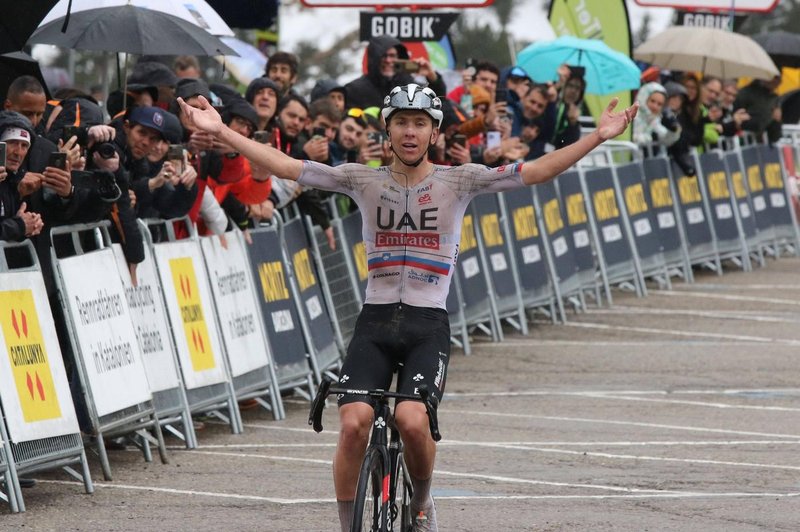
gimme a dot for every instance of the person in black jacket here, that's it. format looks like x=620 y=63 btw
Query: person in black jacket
x=16 y=222
x=383 y=54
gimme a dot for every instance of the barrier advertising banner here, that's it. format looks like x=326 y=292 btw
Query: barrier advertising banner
x=104 y=331
x=149 y=321
x=33 y=383
x=232 y=286
x=190 y=309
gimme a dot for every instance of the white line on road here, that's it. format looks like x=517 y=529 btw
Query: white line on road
x=715 y=314
x=623 y=423
x=650 y=330
x=621 y=397
x=728 y=297
x=643 y=495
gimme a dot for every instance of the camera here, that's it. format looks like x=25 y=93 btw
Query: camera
x=669 y=120
x=406 y=65
x=101 y=181
x=106 y=150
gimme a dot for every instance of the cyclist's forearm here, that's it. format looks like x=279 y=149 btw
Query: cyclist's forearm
x=273 y=161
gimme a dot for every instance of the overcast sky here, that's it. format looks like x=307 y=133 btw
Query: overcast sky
x=326 y=25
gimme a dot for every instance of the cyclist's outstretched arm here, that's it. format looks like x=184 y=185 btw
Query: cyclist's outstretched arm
x=549 y=166
x=206 y=118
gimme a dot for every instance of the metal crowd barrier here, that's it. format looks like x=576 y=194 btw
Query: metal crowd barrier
x=105 y=351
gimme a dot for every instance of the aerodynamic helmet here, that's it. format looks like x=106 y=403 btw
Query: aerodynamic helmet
x=412 y=97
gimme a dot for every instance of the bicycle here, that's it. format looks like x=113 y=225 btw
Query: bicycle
x=384 y=487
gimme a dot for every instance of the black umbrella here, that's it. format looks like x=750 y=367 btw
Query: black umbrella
x=782 y=46
x=19 y=19
x=16 y=64
x=132 y=30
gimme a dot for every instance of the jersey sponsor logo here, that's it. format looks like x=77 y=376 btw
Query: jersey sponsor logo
x=501 y=169
x=425 y=199
x=426 y=219
x=424 y=277
x=388 y=260
x=426 y=188
x=412 y=240
x=385 y=274
x=386 y=199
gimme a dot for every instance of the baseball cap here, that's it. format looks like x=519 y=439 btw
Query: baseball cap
x=151 y=117
x=15 y=133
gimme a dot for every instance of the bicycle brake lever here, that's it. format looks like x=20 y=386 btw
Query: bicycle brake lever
x=315 y=415
x=431 y=404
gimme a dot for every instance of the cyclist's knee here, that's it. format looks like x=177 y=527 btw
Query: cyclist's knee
x=412 y=422
x=355 y=421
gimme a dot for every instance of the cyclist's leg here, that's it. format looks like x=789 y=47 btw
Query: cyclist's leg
x=366 y=366
x=425 y=363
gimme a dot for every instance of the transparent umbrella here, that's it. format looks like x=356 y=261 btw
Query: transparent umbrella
x=708 y=50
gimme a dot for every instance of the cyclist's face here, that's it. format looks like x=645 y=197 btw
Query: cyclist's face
x=411 y=133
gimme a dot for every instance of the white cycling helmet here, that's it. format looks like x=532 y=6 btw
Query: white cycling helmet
x=413 y=97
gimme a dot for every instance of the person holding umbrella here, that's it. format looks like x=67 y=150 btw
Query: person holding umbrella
x=404 y=318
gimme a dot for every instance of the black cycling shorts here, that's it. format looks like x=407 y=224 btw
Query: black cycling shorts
x=415 y=341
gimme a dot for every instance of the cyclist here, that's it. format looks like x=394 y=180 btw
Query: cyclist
x=412 y=212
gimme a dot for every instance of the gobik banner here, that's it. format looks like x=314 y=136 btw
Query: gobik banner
x=33 y=383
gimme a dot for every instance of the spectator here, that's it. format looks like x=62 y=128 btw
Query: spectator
x=324 y=119
x=349 y=138
x=732 y=118
x=483 y=74
x=26 y=96
x=382 y=55
x=648 y=125
x=16 y=222
x=156 y=74
x=539 y=116
x=282 y=69
x=187 y=66
x=332 y=90
x=679 y=150
x=760 y=101
x=262 y=93
x=568 y=110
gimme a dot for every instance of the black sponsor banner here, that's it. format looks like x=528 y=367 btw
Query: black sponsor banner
x=351 y=227
x=774 y=185
x=486 y=211
x=526 y=236
x=312 y=300
x=736 y=177
x=755 y=185
x=720 y=20
x=274 y=296
x=640 y=214
x=611 y=230
x=719 y=197
x=659 y=197
x=559 y=236
x=690 y=201
x=408 y=27
x=576 y=221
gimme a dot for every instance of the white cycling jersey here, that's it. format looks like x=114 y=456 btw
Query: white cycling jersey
x=411 y=234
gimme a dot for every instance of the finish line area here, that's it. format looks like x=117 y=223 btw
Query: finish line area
x=679 y=411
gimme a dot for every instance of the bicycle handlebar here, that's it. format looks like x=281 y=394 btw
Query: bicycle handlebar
x=425 y=397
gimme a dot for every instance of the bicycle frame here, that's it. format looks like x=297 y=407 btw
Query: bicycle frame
x=385 y=441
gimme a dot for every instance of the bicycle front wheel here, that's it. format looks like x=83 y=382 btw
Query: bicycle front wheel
x=401 y=506
x=369 y=508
